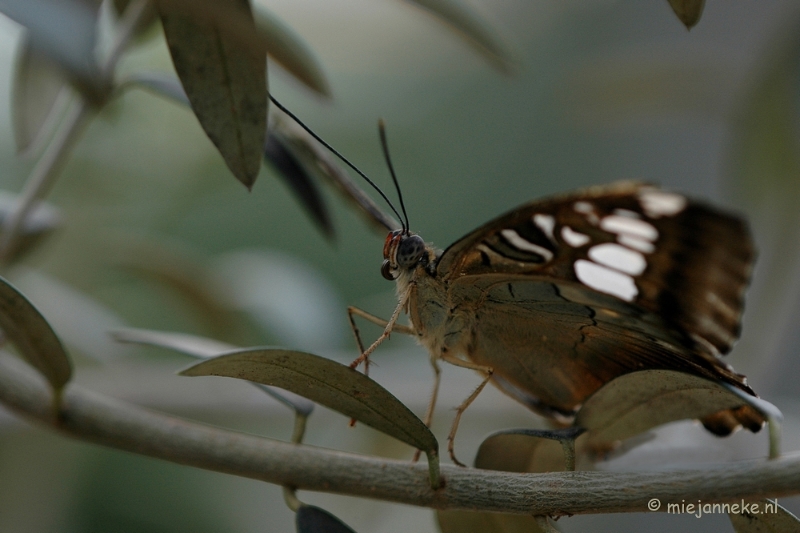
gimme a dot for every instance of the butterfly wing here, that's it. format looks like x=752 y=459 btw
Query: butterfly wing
x=579 y=289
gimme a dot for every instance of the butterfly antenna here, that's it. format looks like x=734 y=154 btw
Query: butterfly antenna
x=385 y=146
x=343 y=158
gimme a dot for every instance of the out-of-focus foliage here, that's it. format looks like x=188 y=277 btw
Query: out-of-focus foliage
x=144 y=165
x=33 y=337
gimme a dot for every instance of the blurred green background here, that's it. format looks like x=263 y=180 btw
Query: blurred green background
x=603 y=90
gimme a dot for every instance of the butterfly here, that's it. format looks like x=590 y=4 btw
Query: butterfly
x=560 y=296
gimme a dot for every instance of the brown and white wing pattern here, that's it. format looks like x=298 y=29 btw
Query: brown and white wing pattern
x=579 y=289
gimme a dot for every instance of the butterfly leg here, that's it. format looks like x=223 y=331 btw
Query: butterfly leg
x=437 y=375
x=487 y=372
x=389 y=326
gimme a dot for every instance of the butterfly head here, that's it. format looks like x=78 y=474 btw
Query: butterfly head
x=401 y=251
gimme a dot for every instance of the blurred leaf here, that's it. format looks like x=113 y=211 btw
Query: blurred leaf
x=761 y=521
x=192 y=345
x=63 y=30
x=290 y=299
x=82 y=322
x=226 y=84
x=475 y=522
x=146 y=24
x=688 y=11
x=327 y=382
x=204 y=348
x=299 y=180
x=35 y=102
x=177 y=267
x=470 y=26
x=315 y=520
x=288 y=49
x=33 y=337
x=41 y=222
x=764 y=166
x=633 y=403
x=292 y=166
x=318 y=160
x=525 y=450
x=160 y=83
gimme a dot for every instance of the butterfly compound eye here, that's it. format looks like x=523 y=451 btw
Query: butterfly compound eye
x=409 y=251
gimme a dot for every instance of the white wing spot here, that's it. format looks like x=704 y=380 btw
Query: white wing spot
x=586 y=209
x=605 y=280
x=658 y=204
x=546 y=223
x=629 y=226
x=574 y=238
x=618 y=257
x=519 y=243
x=636 y=243
x=626 y=213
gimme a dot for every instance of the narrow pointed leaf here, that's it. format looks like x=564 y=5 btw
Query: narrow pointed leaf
x=39 y=93
x=33 y=337
x=688 y=11
x=326 y=382
x=633 y=403
x=204 y=348
x=469 y=25
x=311 y=519
x=317 y=160
x=226 y=84
x=764 y=516
x=299 y=180
x=192 y=345
x=288 y=49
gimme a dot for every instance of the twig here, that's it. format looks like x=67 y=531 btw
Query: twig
x=110 y=422
x=44 y=174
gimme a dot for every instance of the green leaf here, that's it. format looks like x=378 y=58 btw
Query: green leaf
x=33 y=337
x=204 y=348
x=688 y=11
x=326 y=382
x=288 y=49
x=764 y=165
x=528 y=450
x=633 y=403
x=475 y=522
x=470 y=26
x=63 y=30
x=38 y=96
x=311 y=519
x=299 y=179
x=763 y=516
x=191 y=345
x=183 y=272
x=226 y=84
x=318 y=160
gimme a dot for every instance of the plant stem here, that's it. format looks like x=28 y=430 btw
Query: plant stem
x=44 y=175
x=110 y=422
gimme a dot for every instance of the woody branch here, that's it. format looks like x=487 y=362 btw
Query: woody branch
x=103 y=420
